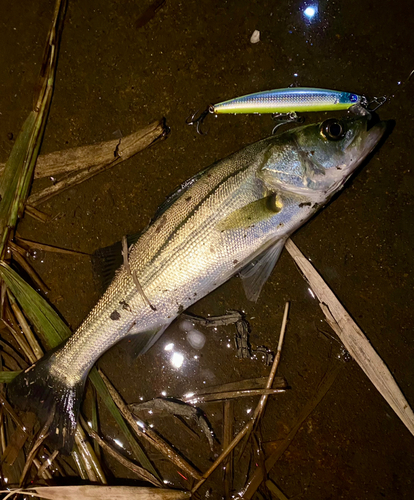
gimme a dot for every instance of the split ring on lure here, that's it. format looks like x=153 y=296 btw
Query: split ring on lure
x=284 y=103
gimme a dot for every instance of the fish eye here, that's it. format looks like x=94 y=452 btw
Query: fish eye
x=332 y=129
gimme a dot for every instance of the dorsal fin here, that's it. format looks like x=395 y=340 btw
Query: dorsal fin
x=107 y=260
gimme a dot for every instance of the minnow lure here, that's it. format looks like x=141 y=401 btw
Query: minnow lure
x=289 y=100
x=284 y=103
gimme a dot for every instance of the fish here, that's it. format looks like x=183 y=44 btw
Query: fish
x=232 y=218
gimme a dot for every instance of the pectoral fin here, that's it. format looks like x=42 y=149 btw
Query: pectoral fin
x=252 y=213
x=256 y=273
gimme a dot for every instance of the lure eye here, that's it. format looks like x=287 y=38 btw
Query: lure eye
x=332 y=129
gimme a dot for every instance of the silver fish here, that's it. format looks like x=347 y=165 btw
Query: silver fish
x=232 y=218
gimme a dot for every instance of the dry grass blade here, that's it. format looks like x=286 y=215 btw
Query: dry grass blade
x=37 y=214
x=103 y=392
x=247 y=429
x=228 y=420
x=79 y=463
x=275 y=490
x=281 y=446
x=24 y=325
x=19 y=255
x=6 y=405
x=32 y=454
x=11 y=323
x=93 y=467
x=45 y=474
x=10 y=351
x=220 y=396
x=113 y=156
x=100 y=493
x=17 y=176
x=354 y=339
x=149 y=435
x=17 y=439
x=139 y=471
x=34 y=245
x=275 y=364
x=242 y=385
x=47 y=463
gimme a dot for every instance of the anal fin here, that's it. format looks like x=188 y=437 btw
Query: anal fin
x=140 y=342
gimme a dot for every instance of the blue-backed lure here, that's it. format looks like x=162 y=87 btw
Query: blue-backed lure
x=289 y=100
x=285 y=103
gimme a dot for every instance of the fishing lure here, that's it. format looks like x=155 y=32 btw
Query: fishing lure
x=284 y=103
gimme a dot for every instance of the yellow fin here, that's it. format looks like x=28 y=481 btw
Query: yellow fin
x=252 y=213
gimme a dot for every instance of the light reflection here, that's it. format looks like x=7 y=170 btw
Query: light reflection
x=310 y=12
x=169 y=347
x=189 y=395
x=164 y=393
x=119 y=443
x=177 y=359
x=248 y=410
x=311 y=292
x=140 y=424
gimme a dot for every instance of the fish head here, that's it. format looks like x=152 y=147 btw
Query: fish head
x=316 y=160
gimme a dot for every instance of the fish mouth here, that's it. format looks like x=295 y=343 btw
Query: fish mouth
x=375 y=131
x=364 y=142
x=362 y=145
x=371 y=134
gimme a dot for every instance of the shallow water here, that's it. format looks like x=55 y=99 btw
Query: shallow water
x=113 y=75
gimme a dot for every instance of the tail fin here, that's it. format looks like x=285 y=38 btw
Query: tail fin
x=53 y=400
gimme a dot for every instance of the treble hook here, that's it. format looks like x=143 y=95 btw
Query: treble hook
x=193 y=119
x=284 y=118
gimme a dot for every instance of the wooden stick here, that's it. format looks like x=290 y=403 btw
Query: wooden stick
x=100 y=158
x=354 y=339
x=258 y=475
x=76 y=159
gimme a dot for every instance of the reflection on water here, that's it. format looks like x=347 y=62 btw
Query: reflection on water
x=310 y=13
